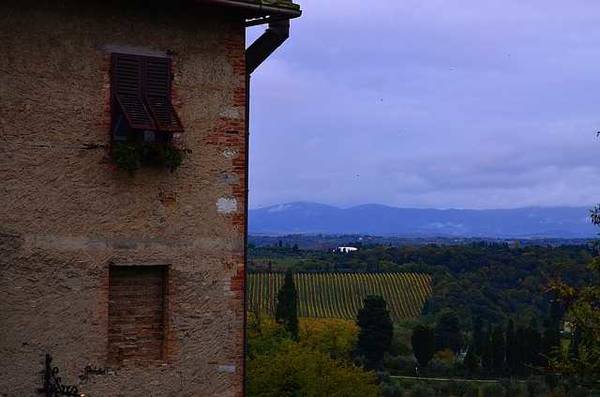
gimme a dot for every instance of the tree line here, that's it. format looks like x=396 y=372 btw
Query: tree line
x=492 y=350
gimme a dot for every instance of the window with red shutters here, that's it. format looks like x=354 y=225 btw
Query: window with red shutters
x=141 y=91
x=127 y=86
x=157 y=94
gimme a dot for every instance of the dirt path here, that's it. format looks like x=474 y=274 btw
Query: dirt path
x=449 y=379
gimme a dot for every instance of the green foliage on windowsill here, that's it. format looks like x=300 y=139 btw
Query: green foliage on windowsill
x=172 y=157
x=126 y=156
x=130 y=156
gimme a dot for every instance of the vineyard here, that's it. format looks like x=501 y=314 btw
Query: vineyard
x=340 y=295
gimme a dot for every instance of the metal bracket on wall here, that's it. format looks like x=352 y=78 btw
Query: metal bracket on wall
x=53 y=386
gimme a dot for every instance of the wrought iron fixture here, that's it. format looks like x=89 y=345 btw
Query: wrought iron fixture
x=53 y=386
x=90 y=370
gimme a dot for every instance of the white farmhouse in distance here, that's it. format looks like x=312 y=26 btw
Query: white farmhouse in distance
x=345 y=249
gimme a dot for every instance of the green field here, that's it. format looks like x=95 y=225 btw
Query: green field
x=340 y=295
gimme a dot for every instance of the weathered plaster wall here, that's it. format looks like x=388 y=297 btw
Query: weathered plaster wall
x=66 y=213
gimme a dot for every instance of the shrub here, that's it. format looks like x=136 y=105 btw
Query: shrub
x=391 y=389
x=471 y=391
x=446 y=356
x=400 y=364
x=440 y=367
x=295 y=370
x=579 y=391
x=459 y=389
x=401 y=342
x=492 y=390
x=514 y=389
x=422 y=391
x=536 y=388
x=264 y=335
x=333 y=336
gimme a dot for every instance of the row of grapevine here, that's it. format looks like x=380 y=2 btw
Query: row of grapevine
x=340 y=295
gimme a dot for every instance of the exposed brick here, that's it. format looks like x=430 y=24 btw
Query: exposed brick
x=238 y=282
x=136 y=313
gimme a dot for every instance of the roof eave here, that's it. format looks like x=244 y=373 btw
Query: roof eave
x=257 y=10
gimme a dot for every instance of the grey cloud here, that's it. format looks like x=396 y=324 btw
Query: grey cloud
x=479 y=105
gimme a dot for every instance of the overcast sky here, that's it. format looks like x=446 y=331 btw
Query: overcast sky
x=437 y=103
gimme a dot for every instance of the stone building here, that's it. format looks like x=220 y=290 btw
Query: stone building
x=123 y=206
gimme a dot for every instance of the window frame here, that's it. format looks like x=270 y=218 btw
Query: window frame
x=141 y=89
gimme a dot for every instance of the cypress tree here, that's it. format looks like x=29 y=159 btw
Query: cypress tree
x=447 y=332
x=286 y=312
x=487 y=355
x=511 y=349
x=478 y=337
x=534 y=346
x=498 y=349
x=521 y=351
x=376 y=331
x=529 y=343
x=423 y=344
x=551 y=337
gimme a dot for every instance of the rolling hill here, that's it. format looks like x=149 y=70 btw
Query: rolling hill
x=341 y=295
x=313 y=218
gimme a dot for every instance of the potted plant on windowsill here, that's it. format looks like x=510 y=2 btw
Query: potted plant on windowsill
x=130 y=156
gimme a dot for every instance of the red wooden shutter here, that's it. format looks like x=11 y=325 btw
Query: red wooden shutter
x=127 y=74
x=157 y=94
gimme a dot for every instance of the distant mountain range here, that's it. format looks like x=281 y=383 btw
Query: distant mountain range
x=381 y=220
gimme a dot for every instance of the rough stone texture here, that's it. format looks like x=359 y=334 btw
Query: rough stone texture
x=67 y=214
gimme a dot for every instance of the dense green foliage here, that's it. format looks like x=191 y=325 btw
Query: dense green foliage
x=522 y=320
x=317 y=364
x=333 y=336
x=534 y=387
x=581 y=363
x=492 y=281
x=500 y=350
x=376 y=331
x=496 y=311
x=286 y=312
x=294 y=370
x=129 y=156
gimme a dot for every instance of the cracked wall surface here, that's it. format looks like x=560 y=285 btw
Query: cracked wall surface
x=67 y=214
